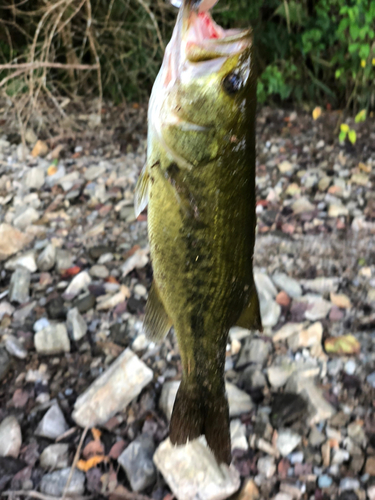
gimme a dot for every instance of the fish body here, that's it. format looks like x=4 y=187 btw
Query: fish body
x=199 y=183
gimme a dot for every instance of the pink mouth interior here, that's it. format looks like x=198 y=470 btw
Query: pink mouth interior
x=208 y=29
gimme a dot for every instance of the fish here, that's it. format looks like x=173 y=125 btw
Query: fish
x=198 y=184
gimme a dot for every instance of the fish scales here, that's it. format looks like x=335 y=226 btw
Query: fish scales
x=199 y=183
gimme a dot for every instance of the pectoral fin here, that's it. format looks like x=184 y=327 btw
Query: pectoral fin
x=250 y=317
x=157 y=322
x=141 y=192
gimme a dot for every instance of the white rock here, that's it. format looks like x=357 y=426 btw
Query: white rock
x=6 y=309
x=34 y=178
x=47 y=258
x=76 y=324
x=307 y=338
x=288 y=284
x=266 y=466
x=15 y=347
x=55 y=457
x=278 y=375
x=98 y=271
x=238 y=435
x=53 y=424
x=302 y=205
x=137 y=261
x=192 y=472
x=264 y=284
x=26 y=260
x=287 y=441
x=287 y=331
x=52 y=340
x=79 y=283
x=112 y=391
x=321 y=285
x=26 y=218
x=283 y=496
x=285 y=167
x=10 y=437
x=337 y=210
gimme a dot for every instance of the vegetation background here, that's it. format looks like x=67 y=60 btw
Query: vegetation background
x=310 y=52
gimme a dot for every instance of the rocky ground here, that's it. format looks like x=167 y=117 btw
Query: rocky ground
x=74 y=275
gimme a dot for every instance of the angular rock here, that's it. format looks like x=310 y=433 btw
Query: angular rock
x=53 y=424
x=47 y=258
x=112 y=391
x=11 y=241
x=64 y=260
x=52 y=340
x=278 y=375
x=55 y=457
x=266 y=466
x=53 y=484
x=307 y=338
x=20 y=285
x=77 y=326
x=254 y=351
x=15 y=347
x=26 y=260
x=288 y=284
x=136 y=460
x=192 y=472
x=26 y=218
x=252 y=378
x=238 y=435
x=302 y=205
x=287 y=331
x=6 y=309
x=239 y=402
x=287 y=441
x=34 y=178
x=79 y=283
x=10 y=437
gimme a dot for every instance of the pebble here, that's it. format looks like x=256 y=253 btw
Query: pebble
x=371 y=492
x=324 y=481
x=321 y=285
x=289 y=285
x=47 y=258
x=266 y=466
x=238 y=435
x=6 y=309
x=53 y=484
x=269 y=309
x=370 y=466
x=340 y=456
x=287 y=441
x=79 y=283
x=54 y=457
x=349 y=483
x=283 y=496
x=249 y=491
x=40 y=324
x=136 y=460
x=316 y=438
x=76 y=325
x=53 y=424
x=252 y=378
x=15 y=347
x=10 y=437
x=279 y=375
x=26 y=260
x=192 y=472
x=99 y=271
x=350 y=367
x=287 y=331
x=52 y=339
x=254 y=351
x=371 y=379
x=34 y=178
x=25 y=218
x=11 y=241
x=20 y=285
x=108 y=394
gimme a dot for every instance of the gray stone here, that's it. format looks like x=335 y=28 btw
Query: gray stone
x=321 y=285
x=99 y=271
x=69 y=180
x=53 y=484
x=55 y=457
x=47 y=258
x=15 y=347
x=238 y=435
x=287 y=441
x=52 y=340
x=316 y=438
x=5 y=362
x=239 y=402
x=34 y=178
x=324 y=481
x=24 y=312
x=79 y=283
x=136 y=460
x=334 y=367
x=112 y=391
x=20 y=285
x=349 y=483
x=6 y=309
x=193 y=473
x=278 y=375
x=77 y=326
x=26 y=260
x=266 y=466
x=264 y=284
x=64 y=260
x=95 y=171
x=371 y=379
x=25 y=218
x=22 y=152
x=53 y=424
x=252 y=378
x=254 y=351
x=357 y=434
x=302 y=205
x=10 y=437
x=288 y=284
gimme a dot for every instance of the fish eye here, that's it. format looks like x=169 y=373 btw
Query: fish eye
x=232 y=83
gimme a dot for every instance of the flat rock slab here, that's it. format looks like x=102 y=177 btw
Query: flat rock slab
x=112 y=391
x=192 y=472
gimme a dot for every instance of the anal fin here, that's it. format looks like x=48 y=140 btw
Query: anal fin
x=141 y=192
x=157 y=322
x=250 y=317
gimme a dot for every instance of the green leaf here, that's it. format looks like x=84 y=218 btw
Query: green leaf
x=354 y=31
x=352 y=136
x=344 y=127
x=342 y=136
x=361 y=116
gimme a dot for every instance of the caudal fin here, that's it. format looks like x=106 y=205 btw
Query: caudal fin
x=197 y=413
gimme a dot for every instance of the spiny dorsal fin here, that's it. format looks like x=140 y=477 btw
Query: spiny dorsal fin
x=157 y=322
x=250 y=317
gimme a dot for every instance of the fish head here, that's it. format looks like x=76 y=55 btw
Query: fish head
x=206 y=88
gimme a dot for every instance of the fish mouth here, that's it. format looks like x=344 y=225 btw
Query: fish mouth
x=203 y=39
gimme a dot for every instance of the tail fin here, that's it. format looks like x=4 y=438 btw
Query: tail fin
x=198 y=412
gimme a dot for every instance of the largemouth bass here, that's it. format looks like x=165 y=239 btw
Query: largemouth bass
x=199 y=183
